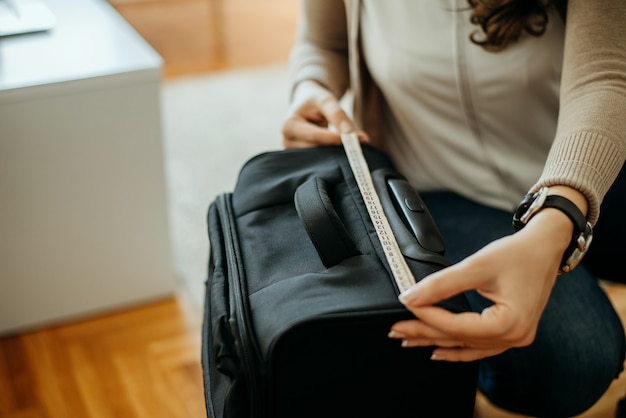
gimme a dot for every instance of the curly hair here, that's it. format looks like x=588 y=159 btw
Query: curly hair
x=504 y=21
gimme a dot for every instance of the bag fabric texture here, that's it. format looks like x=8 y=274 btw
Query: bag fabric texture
x=300 y=297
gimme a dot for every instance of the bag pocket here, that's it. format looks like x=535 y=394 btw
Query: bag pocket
x=228 y=343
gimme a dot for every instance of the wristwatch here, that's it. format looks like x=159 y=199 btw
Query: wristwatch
x=583 y=232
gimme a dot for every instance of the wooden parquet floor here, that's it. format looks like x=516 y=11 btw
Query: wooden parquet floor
x=142 y=362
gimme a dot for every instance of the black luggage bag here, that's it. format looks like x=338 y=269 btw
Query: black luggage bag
x=300 y=298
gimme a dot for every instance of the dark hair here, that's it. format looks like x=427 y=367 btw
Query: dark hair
x=503 y=21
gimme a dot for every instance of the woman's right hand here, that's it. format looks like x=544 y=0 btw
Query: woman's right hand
x=312 y=111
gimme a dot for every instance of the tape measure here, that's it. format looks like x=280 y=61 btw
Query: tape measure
x=400 y=270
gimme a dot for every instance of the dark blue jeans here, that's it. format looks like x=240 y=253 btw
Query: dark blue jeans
x=579 y=347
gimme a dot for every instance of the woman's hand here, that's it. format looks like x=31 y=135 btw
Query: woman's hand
x=312 y=111
x=516 y=272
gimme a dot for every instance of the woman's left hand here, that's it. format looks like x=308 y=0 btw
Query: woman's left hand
x=516 y=272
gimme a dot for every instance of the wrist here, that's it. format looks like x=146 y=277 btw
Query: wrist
x=559 y=211
x=552 y=229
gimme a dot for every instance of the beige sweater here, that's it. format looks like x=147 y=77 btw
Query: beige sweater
x=586 y=148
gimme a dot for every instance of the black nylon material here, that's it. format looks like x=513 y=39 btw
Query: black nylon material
x=314 y=342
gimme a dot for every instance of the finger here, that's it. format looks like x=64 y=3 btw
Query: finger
x=335 y=115
x=415 y=328
x=363 y=137
x=427 y=342
x=493 y=324
x=444 y=284
x=436 y=324
x=464 y=354
x=299 y=133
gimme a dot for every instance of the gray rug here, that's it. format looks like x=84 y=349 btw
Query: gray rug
x=212 y=125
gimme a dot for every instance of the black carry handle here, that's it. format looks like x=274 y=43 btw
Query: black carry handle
x=321 y=221
x=413 y=226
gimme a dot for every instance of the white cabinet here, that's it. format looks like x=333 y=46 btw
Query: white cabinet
x=83 y=208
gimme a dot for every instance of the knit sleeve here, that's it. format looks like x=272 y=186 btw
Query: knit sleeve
x=590 y=144
x=320 y=51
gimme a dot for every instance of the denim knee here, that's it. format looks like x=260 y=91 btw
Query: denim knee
x=551 y=387
x=578 y=351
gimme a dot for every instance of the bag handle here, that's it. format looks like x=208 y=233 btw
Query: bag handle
x=413 y=226
x=400 y=198
x=321 y=221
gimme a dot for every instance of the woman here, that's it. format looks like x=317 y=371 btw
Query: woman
x=478 y=104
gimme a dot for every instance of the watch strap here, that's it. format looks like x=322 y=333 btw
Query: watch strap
x=568 y=208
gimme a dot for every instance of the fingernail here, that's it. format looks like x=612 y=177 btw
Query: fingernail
x=436 y=357
x=395 y=334
x=408 y=295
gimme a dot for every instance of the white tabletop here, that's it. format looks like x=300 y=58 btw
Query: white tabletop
x=89 y=39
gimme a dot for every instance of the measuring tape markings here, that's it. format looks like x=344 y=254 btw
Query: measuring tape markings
x=399 y=268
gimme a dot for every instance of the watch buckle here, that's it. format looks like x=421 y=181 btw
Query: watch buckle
x=582 y=245
x=539 y=198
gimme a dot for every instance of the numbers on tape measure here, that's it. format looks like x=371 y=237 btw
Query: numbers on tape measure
x=399 y=268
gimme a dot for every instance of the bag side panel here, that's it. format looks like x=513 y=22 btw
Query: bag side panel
x=225 y=383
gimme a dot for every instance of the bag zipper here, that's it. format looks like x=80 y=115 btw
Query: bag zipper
x=240 y=319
